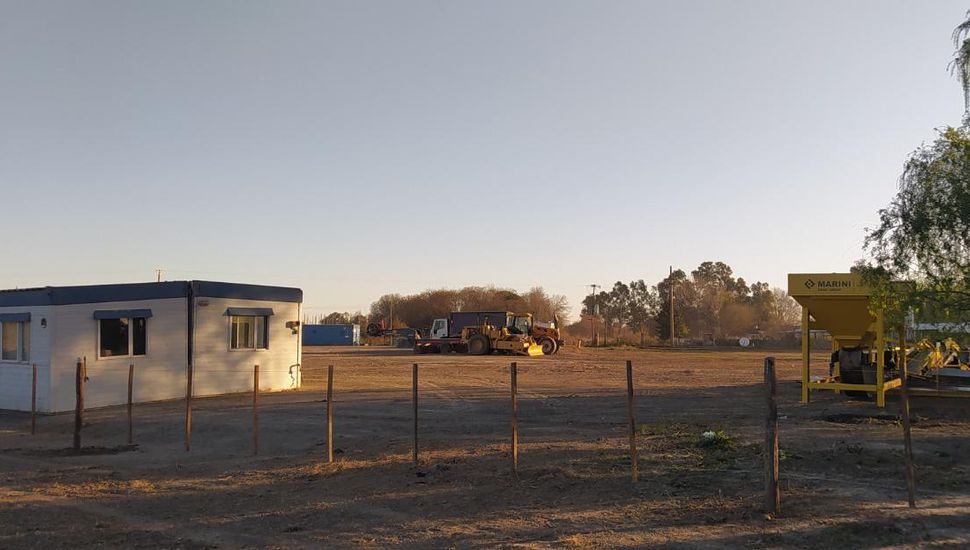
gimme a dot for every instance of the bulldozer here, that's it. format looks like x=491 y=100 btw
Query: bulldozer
x=513 y=339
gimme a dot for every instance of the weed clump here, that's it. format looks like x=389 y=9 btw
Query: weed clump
x=715 y=439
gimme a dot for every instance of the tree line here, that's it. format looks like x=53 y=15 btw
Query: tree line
x=419 y=310
x=708 y=303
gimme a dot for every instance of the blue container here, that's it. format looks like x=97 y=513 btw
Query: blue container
x=331 y=335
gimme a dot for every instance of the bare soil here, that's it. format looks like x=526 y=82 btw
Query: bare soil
x=841 y=467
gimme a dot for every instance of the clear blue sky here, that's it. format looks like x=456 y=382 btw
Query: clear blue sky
x=358 y=148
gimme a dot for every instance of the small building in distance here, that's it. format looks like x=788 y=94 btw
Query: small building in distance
x=331 y=335
x=219 y=329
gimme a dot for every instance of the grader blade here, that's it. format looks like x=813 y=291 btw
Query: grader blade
x=534 y=350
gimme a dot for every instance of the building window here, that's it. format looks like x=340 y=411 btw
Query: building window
x=15 y=341
x=122 y=337
x=247 y=331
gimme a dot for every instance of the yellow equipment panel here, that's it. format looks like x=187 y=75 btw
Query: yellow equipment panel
x=826 y=284
x=839 y=304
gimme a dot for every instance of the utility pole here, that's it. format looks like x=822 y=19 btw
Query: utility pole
x=671 y=280
x=594 y=309
x=158 y=274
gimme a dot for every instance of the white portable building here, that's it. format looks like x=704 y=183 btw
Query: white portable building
x=218 y=331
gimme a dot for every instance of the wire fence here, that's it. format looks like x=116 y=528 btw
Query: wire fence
x=770 y=448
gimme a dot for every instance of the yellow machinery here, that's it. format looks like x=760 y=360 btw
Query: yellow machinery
x=484 y=339
x=839 y=304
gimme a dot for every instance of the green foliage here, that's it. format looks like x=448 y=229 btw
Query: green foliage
x=336 y=318
x=711 y=301
x=632 y=305
x=923 y=236
x=684 y=294
x=960 y=65
x=419 y=310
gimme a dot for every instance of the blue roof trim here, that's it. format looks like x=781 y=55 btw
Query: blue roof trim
x=14 y=317
x=250 y=311
x=56 y=296
x=122 y=313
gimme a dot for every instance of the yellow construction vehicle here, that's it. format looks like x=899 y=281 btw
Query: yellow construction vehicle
x=500 y=331
x=937 y=355
x=486 y=338
x=547 y=335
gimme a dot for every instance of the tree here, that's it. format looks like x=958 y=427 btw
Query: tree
x=336 y=318
x=560 y=306
x=787 y=309
x=764 y=305
x=543 y=306
x=717 y=288
x=961 y=58
x=419 y=310
x=739 y=319
x=607 y=311
x=714 y=275
x=359 y=318
x=618 y=306
x=644 y=303
x=384 y=307
x=923 y=235
x=684 y=293
x=632 y=305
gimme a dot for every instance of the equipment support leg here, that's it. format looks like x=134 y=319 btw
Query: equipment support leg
x=880 y=361
x=806 y=351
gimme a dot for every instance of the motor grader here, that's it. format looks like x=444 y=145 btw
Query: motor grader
x=500 y=331
x=486 y=338
x=547 y=335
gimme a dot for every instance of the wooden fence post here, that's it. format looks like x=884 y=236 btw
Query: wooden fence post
x=772 y=494
x=255 y=409
x=414 y=399
x=904 y=406
x=131 y=380
x=33 y=399
x=79 y=404
x=330 y=413
x=515 y=420
x=188 y=407
x=634 y=457
x=908 y=446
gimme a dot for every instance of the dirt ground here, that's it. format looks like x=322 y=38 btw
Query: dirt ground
x=841 y=464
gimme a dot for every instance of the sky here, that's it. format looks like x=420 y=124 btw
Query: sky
x=354 y=149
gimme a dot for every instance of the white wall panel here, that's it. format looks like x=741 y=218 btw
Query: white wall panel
x=159 y=374
x=15 y=378
x=221 y=370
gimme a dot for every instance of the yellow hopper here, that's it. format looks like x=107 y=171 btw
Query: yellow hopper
x=839 y=304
